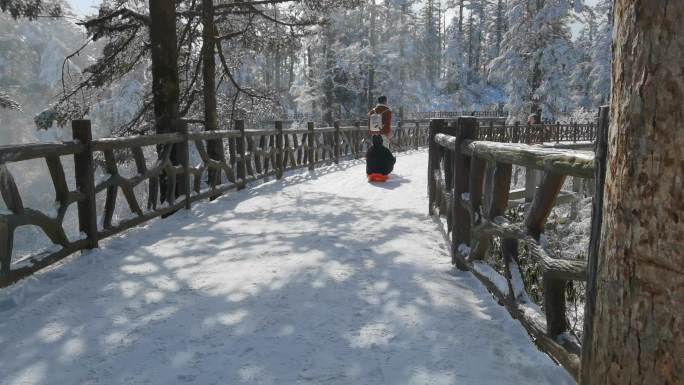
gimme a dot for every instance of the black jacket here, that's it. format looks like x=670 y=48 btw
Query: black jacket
x=379 y=159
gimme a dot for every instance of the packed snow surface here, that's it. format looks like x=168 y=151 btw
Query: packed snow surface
x=320 y=278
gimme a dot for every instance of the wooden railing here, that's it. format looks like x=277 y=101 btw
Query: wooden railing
x=455 y=114
x=472 y=214
x=164 y=172
x=398 y=115
x=537 y=133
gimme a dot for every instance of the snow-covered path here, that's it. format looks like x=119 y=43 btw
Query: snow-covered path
x=320 y=278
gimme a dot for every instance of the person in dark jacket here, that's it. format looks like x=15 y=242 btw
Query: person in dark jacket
x=379 y=160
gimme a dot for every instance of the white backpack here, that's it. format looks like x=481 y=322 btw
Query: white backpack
x=376 y=122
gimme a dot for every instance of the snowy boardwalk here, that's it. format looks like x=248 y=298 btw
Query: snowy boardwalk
x=319 y=278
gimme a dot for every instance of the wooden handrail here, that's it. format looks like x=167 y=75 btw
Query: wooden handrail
x=472 y=213
x=568 y=162
x=21 y=152
x=135 y=141
x=251 y=154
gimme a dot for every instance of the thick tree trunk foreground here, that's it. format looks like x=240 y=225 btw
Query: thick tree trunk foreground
x=638 y=328
x=165 y=85
x=165 y=88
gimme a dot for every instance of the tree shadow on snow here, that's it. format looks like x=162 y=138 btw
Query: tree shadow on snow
x=198 y=298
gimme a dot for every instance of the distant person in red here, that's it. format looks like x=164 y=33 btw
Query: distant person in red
x=535 y=117
x=380 y=119
x=379 y=161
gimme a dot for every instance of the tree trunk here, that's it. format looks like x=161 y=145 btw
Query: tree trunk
x=328 y=82
x=480 y=33
x=371 y=68
x=638 y=327
x=499 y=27
x=470 y=47
x=165 y=87
x=214 y=147
x=310 y=78
x=460 y=17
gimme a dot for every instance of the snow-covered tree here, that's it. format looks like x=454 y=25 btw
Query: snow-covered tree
x=536 y=57
x=33 y=52
x=601 y=53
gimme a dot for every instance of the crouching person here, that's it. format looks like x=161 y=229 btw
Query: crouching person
x=379 y=161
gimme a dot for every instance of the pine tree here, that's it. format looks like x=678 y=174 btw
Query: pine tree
x=30 y=10
x=601 y=53
x=456 y=69
x=538 y=50
x=431 y=19
x=580 y=79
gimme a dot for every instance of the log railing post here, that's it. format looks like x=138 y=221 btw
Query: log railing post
x=311 y=151
x=531 y=183
x=554 y=289
x=554 y=306
x=466 y=129
x=355 y=139
x=336 y=140
x=240 y=152
x=232 y=177
x=476 y=184
x=516 y=132
x=577 y=183
x=601 y=151
x=543 y=202
x=500 y=192
x=436 y=126
x=216 y=151
x=84 y=168
x=279 y=149
x=416 y=137
x=184 y=159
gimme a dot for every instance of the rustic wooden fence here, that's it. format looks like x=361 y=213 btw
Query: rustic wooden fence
x=471 y=211
x=398 y=111
x=496 y=113
x=172 y=182
x=498 y=116
x=537 y=133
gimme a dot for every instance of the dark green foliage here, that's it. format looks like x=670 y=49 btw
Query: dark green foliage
x=31 y=9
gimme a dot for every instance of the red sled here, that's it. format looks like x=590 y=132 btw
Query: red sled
x=377 y=178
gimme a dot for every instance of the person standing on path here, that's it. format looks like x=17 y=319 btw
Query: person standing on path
x=380 y=119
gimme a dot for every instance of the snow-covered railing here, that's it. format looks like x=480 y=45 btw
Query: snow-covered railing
x=160 y=174
x=537 y=133
x=17 y=214
x=498 y=114
x=422 y=115
x=469 y=184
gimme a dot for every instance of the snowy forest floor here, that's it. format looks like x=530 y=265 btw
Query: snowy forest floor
x=319 y=278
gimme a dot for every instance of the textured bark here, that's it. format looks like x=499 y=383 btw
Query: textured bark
x=638 y=328
x=328 y=84
x=165 y=87
x=371 y=69
x=214 y=147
